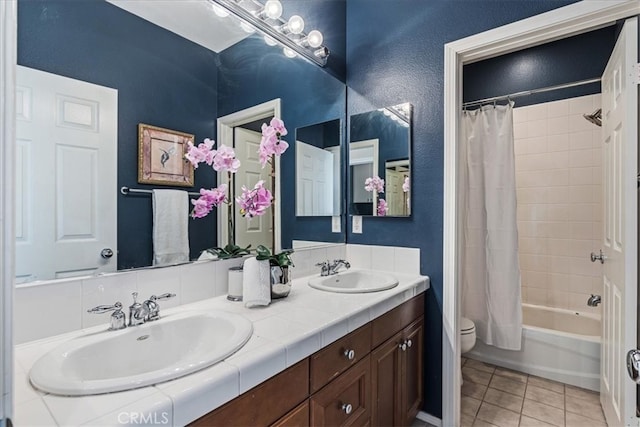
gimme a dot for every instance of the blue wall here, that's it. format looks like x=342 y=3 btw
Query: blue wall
x=251 y=73
x=162 y=80
x=568 y=60
x=403 y=61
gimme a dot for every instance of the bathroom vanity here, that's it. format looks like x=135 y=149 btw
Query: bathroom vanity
x=314 y=358
x=372 y=376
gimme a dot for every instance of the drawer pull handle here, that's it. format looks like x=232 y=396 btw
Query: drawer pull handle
x=403 y=346
x=350 y=354
x=409 y=343
x=347 y=408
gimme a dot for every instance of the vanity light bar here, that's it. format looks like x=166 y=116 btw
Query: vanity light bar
x=253 y=12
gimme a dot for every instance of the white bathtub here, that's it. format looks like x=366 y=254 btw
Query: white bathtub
x=557 y=344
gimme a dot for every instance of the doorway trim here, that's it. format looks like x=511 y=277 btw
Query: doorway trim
x=8 y=61
x=556 y=24
x=225 y=136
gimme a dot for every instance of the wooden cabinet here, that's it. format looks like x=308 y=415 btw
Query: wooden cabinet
x=370 y=377
x=346 y=401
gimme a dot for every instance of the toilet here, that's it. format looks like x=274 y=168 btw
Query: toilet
x=467 y=337
x=467 y=334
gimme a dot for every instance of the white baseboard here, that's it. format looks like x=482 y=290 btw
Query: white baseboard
x=423 y=416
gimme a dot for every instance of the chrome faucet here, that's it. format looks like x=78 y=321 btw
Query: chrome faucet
x=117 y=320
x=594 y=300
x=137 y=311
x=152 y=308
x=335 y=266
x=324 y=268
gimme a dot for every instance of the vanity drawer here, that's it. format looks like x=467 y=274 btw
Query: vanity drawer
x=387 y=325
x=264 y=404
x=333 y=360
x=298 y=417
x=346 y=401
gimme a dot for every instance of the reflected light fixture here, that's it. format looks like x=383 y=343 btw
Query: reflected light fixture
x=271 y=42
x=267 y=19
x=222 y=13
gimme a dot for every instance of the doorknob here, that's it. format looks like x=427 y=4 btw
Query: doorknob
x=600 y=257
x=106 y=253
x=633 y=365
x=594 y=300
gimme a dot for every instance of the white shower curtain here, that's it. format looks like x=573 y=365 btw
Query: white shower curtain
x=490 y=271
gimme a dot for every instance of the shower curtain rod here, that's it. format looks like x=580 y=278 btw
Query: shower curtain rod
x=530 y=92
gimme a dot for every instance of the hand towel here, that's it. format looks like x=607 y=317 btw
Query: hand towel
x=256 y=283
x=170 y=227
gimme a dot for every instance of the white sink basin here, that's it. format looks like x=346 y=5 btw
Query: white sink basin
x=355 y=281
x=139 y=356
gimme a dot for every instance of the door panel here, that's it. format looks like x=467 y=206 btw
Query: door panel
x=66 y=166
x=619 y=107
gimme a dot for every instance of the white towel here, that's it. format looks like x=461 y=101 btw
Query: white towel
x=256 y=283
x=170 y=227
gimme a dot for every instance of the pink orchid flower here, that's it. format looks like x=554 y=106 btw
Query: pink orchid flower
x=208 y=199
x=406 y=185
x=383 y=208
x=374 y=183
x=271 y=143
x=254 y=202
x=225 y=160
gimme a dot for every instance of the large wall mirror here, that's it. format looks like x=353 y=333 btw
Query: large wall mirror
x=380 y=162
x=182 y=72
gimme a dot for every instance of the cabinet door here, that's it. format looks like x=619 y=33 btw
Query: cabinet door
x=411 y=373
x=385 y=382
x=298 y=417
x=345 y=401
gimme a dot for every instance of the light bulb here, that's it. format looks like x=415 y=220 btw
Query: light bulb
x=273 y=9
x=314 y=38
x=271 y=42
x=247 y=28
x=289 y=53
x=386 y=112
x=296 y=24
x=219 y=11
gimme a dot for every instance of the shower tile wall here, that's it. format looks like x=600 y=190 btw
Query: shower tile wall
x=559 y=194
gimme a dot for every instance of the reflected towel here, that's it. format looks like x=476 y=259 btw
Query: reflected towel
x=170 y=226
x=256 y=283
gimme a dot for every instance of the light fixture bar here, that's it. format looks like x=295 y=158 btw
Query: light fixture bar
x=317 y=55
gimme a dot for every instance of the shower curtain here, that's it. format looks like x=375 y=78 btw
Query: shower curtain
x=489 y=267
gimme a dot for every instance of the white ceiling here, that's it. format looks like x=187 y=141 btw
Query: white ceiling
x=191 y=19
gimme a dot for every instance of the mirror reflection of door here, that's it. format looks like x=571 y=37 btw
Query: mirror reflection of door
x=65 y=176
x=255 y=231
x=397 y=199
x=363 y=164
x=314 y=179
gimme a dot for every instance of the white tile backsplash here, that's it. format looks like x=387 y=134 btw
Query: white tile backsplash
x=62 y=306
x=559 y=201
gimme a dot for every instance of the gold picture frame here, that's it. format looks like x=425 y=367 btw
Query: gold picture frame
x=161 y=156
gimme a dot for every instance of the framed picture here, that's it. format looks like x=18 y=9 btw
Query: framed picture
x=161 y=156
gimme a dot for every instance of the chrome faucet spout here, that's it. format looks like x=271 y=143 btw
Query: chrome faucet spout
x=336 y=264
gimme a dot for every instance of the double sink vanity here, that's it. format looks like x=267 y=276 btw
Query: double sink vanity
x=341 y=349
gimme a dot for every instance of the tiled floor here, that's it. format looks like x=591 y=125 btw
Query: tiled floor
x=494 y=396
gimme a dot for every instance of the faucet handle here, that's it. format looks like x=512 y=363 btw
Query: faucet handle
x=105 y=308
x=162 y=297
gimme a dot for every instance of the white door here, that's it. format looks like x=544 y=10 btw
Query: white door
x=255 y=231
x=620 y=133
x=66 y=163
x=314 y=181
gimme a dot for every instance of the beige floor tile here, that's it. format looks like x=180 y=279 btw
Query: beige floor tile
x=473 y=375
x=498 y=416
x=466 y=420
x=545 y=383
x=545 y=396
x=586 y=408
x=504 y=400
x=505 y=384
x=575 y=420
x=543 y=412
x=532 y=422
x=480 y=366
x=582 y=393
x=474 y=390
x=480 y=423
x=469 y=405
x=512 y=375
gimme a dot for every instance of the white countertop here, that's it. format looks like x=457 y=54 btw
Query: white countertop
x=284 y=333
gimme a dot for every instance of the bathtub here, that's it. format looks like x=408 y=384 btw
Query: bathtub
x=561 y=345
